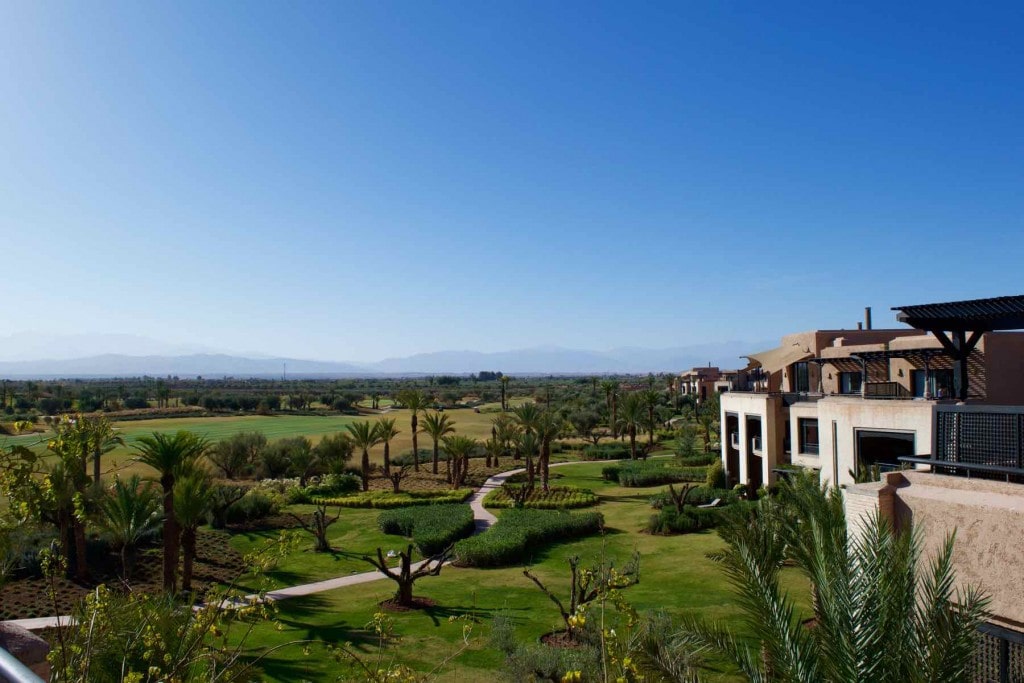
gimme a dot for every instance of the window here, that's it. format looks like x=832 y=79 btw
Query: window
x=801 y=378
x=807 y=428
x=940 y=383
x=849 y=382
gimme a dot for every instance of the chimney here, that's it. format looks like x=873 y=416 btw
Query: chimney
x=867 y=317
x=860 y=326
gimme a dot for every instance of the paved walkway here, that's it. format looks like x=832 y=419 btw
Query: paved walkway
x=482 y=518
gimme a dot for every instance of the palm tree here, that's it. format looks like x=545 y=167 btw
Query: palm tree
x=102 y=439
x=650 y=398
x=528 y=445
x=416 y=402
x=548 y=427
x=193 y=496
x=504 y=390
x=71 y=483
x=505 y=429
x=869 y=593
x=364 y=437
x=631 y=418
x=528 y=415
x=172 y=456
x=386 y=431
x=494 y=449
x=458 y=449
x=130 y=513
x=611 y=393
x=437 y=425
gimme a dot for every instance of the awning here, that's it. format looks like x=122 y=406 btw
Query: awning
x=774 y=360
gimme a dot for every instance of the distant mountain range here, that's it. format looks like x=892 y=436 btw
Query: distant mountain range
x=540 y=360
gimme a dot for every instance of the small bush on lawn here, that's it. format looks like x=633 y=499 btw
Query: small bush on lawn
x=698 y=460
x=386 y=500
x=432 y=528
x=614 y=450
x=518 y=533
x=701 y=495
x=668 y=521
x=556 y=498
x=652 y=473
x=253 y=506
x=716 y=475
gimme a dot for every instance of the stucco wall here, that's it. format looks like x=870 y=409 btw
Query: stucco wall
x=1004 y=361
x=773 y=423
x=988 y=517
x=852 y=414
x=797 y=411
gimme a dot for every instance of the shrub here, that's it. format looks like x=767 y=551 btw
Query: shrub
x=431 y=528
x=556 y=498
x=698 y=460
x=716 y=475
x=386 y=500
x=518 y=533
x=614 y=450
x=701 y=495
x=254 y=505
x=610 y=472
x=668 y=521
x=645 y=473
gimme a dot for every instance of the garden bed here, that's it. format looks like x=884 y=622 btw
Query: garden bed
x=555 y=498
x=432 y=529
x=386 y=500
x=519 y=533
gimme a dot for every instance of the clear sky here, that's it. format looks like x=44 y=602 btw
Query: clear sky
x=360 y=180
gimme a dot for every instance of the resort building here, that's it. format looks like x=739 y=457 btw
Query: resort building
x=703 y=382
x=936 y=412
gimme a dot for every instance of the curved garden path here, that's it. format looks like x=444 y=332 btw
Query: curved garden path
x=482 y=518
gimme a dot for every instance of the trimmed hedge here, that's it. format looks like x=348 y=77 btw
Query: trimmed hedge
x=701 y=495
x=669 y=521
x=386 y=500
x=651 y=473
x=557 y=498
x=518 y=533
x=614 y=450
x=699 y=460
x=432 y=528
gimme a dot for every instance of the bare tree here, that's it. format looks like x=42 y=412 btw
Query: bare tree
x=397 y=474
x=318 y=526
x=406 y=576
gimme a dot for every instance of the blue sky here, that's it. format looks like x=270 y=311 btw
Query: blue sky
x=362 y=180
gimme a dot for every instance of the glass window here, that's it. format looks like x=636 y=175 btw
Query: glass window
x=940 y=383
x=808 y=433
x=849 y=382
x=801 y=378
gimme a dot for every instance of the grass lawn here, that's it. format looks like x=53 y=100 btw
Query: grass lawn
x=675 y=576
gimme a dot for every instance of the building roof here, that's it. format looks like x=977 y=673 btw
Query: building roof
x=999 y=313
x=774 y=360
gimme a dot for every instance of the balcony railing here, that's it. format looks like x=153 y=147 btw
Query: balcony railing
x=985 y=442
x=734 y=440
x=755 y=444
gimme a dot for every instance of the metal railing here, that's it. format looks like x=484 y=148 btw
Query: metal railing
x=734 y=440
x=756 y=444
x=13 y=671
x=886 y=390
x=999 y=657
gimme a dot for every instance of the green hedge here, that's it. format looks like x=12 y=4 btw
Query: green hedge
x=699 y=460
x=432 y=528
x=614 y=450
x=651 y=473
x=701 y=495
x=386 y=500
x=669 y=521
x=556 y=498
x=518 y=533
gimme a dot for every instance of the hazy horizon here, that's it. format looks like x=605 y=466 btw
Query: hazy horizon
x=361 y=181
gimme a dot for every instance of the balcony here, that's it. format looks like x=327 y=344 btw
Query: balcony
x=755 y=444
x=734 y=440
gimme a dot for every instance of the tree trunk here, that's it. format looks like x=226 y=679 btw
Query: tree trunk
x=387 y=458
x=96 y=468
x=615 y=416
x=366 y=470
x=545 y=457
x=127 y=562
x=650 y=433
x=435 y=460
x=632 y=443
x=81 y=565
x=404 y=594
x=188 y=546
x=170 y=535
x=415 y=443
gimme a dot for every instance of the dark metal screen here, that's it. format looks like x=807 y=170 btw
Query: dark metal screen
x=1000 y=656
x=980 y=438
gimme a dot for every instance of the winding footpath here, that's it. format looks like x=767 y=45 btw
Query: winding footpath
x=482 y=519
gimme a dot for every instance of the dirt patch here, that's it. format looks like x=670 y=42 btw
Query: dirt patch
x=26 y=598
x=417 y=603
x=560 y=639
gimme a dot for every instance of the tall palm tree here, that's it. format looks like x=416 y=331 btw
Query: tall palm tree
x=172 y=456
x=130 y=512
x=458 y=449
x=548 y=428
x=528 y=415
x=71 y=446
x=528 y=445
x=650 y=398
x=437 y=425
x=504 y=392
x=102 y=439
x=364 y=437
x=611 y=393
x=879 y=615
x=416 y=402
x=494 y=449
x=193 y=496
x=631 y=418
x=386 y=431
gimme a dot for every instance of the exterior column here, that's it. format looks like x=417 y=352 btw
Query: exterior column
x=742 y=476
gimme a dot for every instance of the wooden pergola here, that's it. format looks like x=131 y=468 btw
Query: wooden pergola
x=958 y=325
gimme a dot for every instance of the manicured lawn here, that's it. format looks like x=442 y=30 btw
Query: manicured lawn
x=676 y=576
